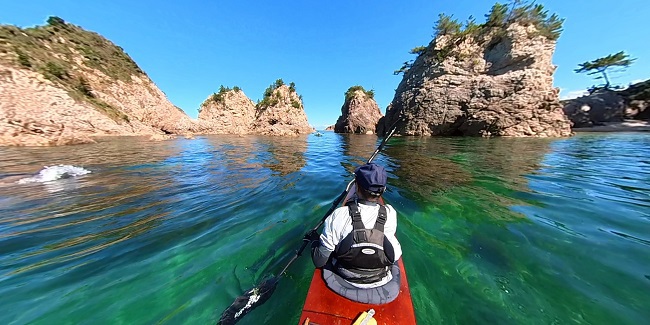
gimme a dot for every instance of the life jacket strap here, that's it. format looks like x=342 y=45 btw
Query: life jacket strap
x=355 y=214
x=381 y=218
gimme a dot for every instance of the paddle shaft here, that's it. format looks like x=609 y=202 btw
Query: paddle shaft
x=336 y=202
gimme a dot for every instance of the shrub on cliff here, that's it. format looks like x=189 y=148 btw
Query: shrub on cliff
x=84 y=87
x=23 y=59
x=52 y=69
x=446 y=25
x=55 y=21
x=218 y=97
x=418 y=50
x=523 y=12
x=350 y=92
x=61 y=43
x=272 y=97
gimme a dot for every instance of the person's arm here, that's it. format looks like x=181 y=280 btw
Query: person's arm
x=319 y=254
x=323 y=248
x=390 y=228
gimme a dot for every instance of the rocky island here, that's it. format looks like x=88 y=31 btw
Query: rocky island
x=280 y=112
x=359 y=113
x=492 y=79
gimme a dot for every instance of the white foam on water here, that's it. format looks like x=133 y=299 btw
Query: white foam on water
x=52 y=173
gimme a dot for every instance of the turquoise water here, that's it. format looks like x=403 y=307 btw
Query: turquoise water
x=494 y=231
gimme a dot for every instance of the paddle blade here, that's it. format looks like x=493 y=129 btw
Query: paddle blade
x=248 y=301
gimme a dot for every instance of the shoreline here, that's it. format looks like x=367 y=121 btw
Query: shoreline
x=625 y=126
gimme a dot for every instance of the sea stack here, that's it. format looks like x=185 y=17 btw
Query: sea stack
x=493 y=79
x=281 y=112
x=229 y=111
x=359 y=113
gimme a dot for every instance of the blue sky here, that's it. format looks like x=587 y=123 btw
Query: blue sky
x=190 y=48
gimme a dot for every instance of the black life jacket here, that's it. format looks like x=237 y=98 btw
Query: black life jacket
x=364 y=255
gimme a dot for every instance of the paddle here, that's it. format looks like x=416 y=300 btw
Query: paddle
x=261 y=293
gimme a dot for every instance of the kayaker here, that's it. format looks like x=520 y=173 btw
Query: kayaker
x=357 y=249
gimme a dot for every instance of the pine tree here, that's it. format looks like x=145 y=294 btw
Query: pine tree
x=620 y=60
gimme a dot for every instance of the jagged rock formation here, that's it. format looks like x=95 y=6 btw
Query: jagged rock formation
x=281 y=112
x=330 y=128
x=229 y=112
x=610 y=106
x=360 y=112
x=60 y=84
x=496 y=81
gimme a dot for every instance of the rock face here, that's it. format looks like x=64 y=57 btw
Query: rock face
x=604 y=106
x=489 y=85
x=594 y=109
x=60 y=84
x=34 y=111
x=359 y=114
x=281 y=113
x=228 y=112
x=637 y=100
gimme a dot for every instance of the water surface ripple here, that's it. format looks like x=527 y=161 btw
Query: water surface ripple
x=503 y=231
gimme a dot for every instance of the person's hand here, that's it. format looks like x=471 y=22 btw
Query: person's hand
x=312 y=236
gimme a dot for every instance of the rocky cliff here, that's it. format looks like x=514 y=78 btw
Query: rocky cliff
x=281 y=112
x=494 y=79
x=359 y=113
x=60 y=84
x=229 y=111
x=610 y=106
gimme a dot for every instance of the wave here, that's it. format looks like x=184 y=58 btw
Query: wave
x=52 y=173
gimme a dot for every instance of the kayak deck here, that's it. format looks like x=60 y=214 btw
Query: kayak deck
x=324 y=307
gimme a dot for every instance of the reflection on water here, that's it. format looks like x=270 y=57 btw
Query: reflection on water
x=422 y=168
x=288 y=154
x=358 y=148
x=503 y=231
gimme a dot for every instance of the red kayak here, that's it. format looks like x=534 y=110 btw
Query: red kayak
x=325 y=307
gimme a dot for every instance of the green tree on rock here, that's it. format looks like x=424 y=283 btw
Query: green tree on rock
x=619 y=61
x=55 y=21
x=446 y=25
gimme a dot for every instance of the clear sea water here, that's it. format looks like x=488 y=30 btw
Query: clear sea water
x=494 y=231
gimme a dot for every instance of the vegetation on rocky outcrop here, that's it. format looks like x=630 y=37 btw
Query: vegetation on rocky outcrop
x=359 y=113
x=489 y=79
x=272 y=97
x=218 y=97
x=280 y=112
x=56 y=49
x=350 y=93
x=521 y=12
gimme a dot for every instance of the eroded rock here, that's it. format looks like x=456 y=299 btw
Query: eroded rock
x=359 y=114
x=499 y=83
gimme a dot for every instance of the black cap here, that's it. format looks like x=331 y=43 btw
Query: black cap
x=371 y=177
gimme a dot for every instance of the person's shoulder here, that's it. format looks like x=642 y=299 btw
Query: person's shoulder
x=340 y=212
x=390 y=209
